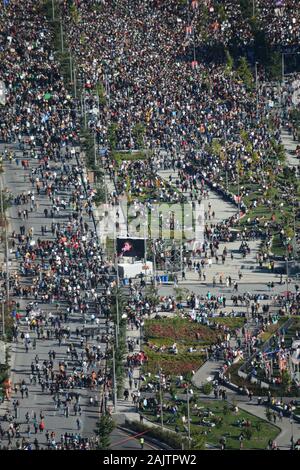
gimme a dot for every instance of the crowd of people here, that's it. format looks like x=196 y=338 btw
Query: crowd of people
x=59 y=266
x=155 y=90
x=195 y=117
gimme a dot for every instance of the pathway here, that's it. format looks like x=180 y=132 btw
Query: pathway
x=290 y=147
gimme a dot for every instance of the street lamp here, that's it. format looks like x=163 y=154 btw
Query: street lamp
x=188 y=413
x=256 y=87
x=3 y=319
x=160 y=398
x=292 y=431
x=287 y=271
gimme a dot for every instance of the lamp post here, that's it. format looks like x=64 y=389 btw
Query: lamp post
x=61 y=36
x=53 y=10
x=95 y=149
x=3 y=319
x=160 y=399
x=256 y=87
x=114 y=377
x=292 y=431
x=188 y=413
x=287 y=271
x=6 y=243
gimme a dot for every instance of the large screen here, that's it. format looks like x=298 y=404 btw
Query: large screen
x=134 y=247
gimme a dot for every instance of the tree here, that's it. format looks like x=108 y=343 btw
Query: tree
x=104 y=428
x=112 y=136
x=245 y=74
x=286 y=380
x=138 y=133
x=274 y=67
x=207 y=388
x=216 y=148
x=101 y=93
x=74 y=13
x=229 y=61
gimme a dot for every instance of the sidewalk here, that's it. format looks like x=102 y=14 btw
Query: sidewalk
x=247 y=266
x=290 y=147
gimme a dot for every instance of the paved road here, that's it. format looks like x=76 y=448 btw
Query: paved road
x=120 y=440
x=16 y=180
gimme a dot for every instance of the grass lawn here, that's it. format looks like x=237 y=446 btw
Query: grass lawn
x=271 y=329
x=226 y=424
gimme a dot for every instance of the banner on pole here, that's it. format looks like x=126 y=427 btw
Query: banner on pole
x=2 y=93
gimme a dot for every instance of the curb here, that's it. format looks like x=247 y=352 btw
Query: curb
x=150 y=439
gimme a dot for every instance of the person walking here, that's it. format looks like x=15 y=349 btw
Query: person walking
x=42 y=426
x=142 y=441
x=241 y=439
x=78 y=422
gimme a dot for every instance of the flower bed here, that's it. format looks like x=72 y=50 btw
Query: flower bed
x=160 y=335
x=179 y=329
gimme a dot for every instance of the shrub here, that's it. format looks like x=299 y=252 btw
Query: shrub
x=104 y=428
x=207 y=388
x=169 y=438
x=248 y=433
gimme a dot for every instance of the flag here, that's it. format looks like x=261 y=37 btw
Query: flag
x=45 y=117
x=47 y=96
x=2 y=93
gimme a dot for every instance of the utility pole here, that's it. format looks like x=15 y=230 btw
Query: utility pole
x=61 y=35
x=161 y=404
x=287 y=273
x=3 y=318
x=239 y=199
x=292 y=430
x=282 y=67
x=114 y=379
x=95 y=150
x=75 y=84
x=6 y=243
x=181 y=260
x=118 y=285
x=84 y=105
x=154 y=263
x=189 y=424
x=81 y=105
x=256 y=87
x=71 y=73
x=253 y=8
x=53 y=10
